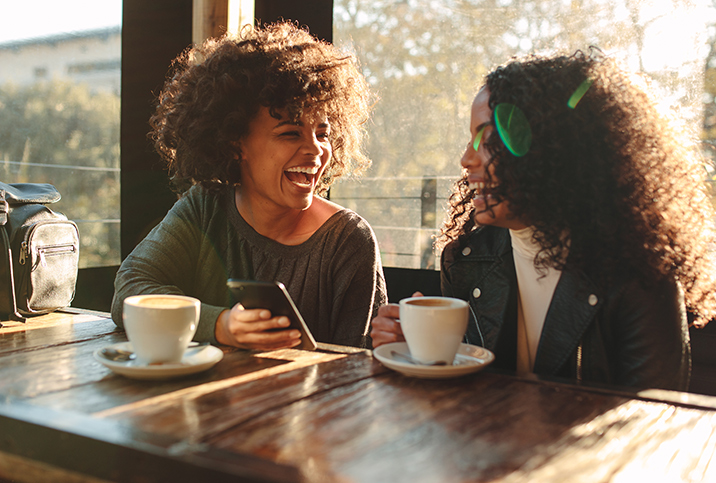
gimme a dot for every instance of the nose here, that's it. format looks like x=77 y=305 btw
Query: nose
x=312 y=145
x=471 y=158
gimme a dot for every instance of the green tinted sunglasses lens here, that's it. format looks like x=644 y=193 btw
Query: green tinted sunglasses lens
x=478 y=139
x=513 y=128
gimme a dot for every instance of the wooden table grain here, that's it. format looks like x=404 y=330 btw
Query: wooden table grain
x=331 y=415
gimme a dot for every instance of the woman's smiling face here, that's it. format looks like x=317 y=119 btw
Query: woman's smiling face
x=282 y=161
x=476 y=160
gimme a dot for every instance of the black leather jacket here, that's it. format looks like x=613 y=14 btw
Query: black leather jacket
x=627 y=335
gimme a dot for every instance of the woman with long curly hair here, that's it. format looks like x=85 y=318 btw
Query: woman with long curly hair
x=258 y=126
x=581 y=230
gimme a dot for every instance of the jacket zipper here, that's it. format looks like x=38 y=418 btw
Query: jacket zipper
x=579 y=361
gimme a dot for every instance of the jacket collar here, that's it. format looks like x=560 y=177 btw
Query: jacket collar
x=575 y=303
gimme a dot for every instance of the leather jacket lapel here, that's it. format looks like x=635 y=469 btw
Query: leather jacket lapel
x=577 y=302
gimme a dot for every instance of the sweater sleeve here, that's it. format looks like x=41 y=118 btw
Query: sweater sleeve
x=166 y=261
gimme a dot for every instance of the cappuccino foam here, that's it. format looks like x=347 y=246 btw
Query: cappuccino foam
x=162 y=302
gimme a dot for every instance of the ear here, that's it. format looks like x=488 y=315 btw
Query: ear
x=236 y=148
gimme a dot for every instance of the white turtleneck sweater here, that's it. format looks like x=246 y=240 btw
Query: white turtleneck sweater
x=535 y=295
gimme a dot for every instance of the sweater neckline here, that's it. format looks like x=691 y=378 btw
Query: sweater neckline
x=265 y=243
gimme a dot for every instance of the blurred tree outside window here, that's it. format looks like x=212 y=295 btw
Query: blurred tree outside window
x=60 y=112
x=425 y=59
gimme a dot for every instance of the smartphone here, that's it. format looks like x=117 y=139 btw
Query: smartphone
x=253 y=294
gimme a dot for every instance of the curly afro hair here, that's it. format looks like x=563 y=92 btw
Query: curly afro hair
x=216 y=89
x=615 y=174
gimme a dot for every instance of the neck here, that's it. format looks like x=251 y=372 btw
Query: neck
x=274 y=222
x=283 y=225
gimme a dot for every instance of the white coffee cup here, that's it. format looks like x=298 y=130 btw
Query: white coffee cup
x=160 y=327
x=433 y=327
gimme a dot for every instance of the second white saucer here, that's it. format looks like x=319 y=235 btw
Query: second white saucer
x=469 y=359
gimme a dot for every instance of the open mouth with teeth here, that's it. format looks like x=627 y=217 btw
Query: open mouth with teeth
x=302 y=176
x=478 y=191
x=477 y=187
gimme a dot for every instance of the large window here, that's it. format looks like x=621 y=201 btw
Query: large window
x=426 y=59
x=60 y=111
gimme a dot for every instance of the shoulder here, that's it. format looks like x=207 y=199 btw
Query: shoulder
x=350 y=223
x=335 y=213
x=193 y=199
x=200 y=196
x=347 y=234
x=198 y=202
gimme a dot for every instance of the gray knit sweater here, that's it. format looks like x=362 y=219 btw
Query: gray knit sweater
x=335 y=277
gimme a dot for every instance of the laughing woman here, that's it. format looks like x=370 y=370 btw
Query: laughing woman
x=581 y=229
x=260 y=126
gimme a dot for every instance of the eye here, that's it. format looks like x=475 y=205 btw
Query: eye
x=291 y=135
x=323 y=136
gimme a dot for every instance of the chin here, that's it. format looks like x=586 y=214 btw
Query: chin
x=486 y=218
x=303 y=204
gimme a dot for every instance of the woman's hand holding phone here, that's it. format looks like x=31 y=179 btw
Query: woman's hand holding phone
x=255 y=329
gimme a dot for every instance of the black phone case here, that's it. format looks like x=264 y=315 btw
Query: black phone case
x=273 y=296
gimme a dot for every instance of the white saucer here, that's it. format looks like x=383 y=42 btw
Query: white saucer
x=194 y=361
x=469 y=359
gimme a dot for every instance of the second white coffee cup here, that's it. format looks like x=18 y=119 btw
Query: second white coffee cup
x=160 y=327
x=433 y=327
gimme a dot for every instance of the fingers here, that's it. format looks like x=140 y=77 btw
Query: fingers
x=257 y=329
x=391 y=311
x=256 y=320
x=385 y=328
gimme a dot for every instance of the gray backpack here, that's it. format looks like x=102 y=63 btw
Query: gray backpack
x=40 y=252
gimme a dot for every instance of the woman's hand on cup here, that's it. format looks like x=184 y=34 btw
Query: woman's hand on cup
x=255 y=329
x=385 y=327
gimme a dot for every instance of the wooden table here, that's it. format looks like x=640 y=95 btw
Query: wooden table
x=323 y=416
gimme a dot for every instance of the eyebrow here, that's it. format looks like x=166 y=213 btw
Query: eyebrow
x=300 y=123
x=284 y=123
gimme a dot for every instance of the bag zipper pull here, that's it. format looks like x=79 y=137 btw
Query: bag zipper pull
x=23 y=252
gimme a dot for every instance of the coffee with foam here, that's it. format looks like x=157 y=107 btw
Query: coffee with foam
x=160 y=302
x=160 y=326
x=433 y=327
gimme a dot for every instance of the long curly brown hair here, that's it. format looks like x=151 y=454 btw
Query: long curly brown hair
x=616 y=174
x=215 y=90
